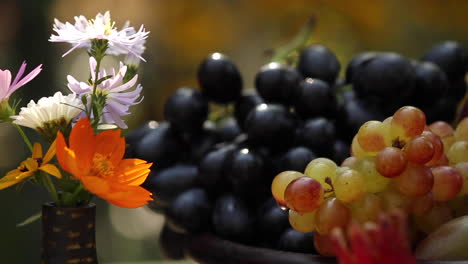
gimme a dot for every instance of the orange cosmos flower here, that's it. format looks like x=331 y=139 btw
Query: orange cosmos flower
x=97 y=161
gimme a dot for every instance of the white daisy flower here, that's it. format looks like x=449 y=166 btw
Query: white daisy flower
x=55 y=111
x=119 y=95
x=126 y=41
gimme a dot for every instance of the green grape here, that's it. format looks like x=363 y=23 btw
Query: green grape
x=373 y=136
x=304 y=223
x=461 y=132
x=393 y=199
x=458 y=152
x=357 y=151
x=349 y=185
x=368 y=208
x=373 y=180
x=320 y=169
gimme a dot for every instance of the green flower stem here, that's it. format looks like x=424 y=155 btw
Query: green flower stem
x=25 y=138
x=281 y=54
x=50 y=187
x=76 y=192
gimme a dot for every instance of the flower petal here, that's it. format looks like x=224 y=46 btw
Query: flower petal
x=134 y=171
x=26 y=79
x=13 y=177
x=110 y=144
x=83 y=142
x=117 y=194
x=67 y=157
x=5 y=79
x=51 y=169
x=51 y=152
x=37 y=151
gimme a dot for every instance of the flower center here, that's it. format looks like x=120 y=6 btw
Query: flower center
x=102 y=166
x=108 y=27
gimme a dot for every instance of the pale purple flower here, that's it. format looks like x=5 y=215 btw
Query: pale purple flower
x=7 y=87
x=125 y=41
x=119 y=95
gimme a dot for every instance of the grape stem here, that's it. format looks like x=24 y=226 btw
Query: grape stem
x=329 y=182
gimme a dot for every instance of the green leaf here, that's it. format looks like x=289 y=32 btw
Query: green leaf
x=30 y=220
x=67 y=185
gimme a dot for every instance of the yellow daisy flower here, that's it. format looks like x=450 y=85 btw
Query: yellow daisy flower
x=28 y=167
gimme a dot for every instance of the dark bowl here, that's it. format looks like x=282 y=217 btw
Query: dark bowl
x=208 y=248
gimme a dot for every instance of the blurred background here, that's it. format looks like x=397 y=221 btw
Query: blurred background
x=183 y=32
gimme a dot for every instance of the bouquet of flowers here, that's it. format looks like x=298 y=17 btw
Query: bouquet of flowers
x=86 y=150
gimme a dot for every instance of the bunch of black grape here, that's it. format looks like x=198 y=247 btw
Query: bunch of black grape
x=382 y=82
x=216 y=176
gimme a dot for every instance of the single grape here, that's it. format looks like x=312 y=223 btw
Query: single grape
x=439 y=214
x=461 y=132
x=219 y=79
x=450 y=56
x=356 y=149
x=442 y=129
x=356 y=63
x=280 y=182
x=315 y=98
x=245 y=171
x=462 y=168
x=390 y=162
x=161 y=145
x=270 y=125
x=323 y=245
x=373 y=136
x=317 y=133
x=330 y=163
x=373 y=180
x=438 y=147
x=448 y=142
x=317 y=61
x=415 y=180
x=186 y=109
x=271 y=221
x=407 y=123
x=168 y=183
x=448 y=182
x=320 y=169
x=304 y=222
x=350 y=162
x=295 y=159
x=304 y=194
x=232 y=219
x=368 y=208
x=393 y=199
x=277 y=83
x=458 y=152
x=332 y=213
x=384 y=76
x=349 y=185
x=419 y=150
x=431 y=84
x=421 y=205
x=190 y=211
